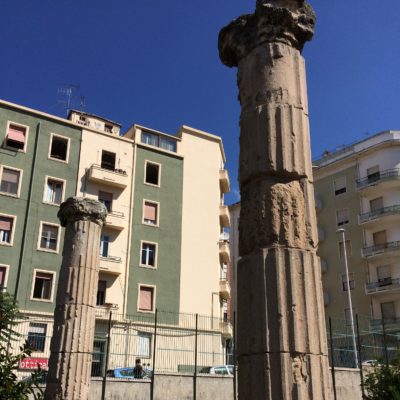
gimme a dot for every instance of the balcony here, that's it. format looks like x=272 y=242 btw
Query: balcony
x=389 y=177
x=224 y=289
x=111 y=177
x=224 y=181
x=383 y=286
x=115 y=220
x=226 y=329
x=110 y=264
x=389 y=248
x=373 y=217
x=390 y=324
x=224 y=216
x=224 y=252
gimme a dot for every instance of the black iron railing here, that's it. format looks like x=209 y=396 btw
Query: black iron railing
x=381 y=212
x=380 y=248
x=377 y=177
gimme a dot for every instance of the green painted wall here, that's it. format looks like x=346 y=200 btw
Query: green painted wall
x=166 y=277
x=39 y=211
x=329 y=248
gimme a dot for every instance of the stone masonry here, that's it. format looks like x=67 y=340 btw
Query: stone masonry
x=281 y=338
x=74 y=316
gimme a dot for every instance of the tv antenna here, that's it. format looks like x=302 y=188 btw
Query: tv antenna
x=72 y=97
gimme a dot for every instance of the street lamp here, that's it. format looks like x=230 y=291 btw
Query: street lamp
x=342 y=231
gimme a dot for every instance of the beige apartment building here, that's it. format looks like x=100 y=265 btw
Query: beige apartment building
x=357 y=188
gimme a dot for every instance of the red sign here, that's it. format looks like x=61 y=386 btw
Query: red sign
x=34 y=363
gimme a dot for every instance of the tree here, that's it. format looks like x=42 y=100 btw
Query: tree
x=11 y=388
x=384 y=382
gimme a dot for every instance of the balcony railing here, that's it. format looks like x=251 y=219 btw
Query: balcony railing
x=115 y=220
x=224 y=289
x=381 y=212
x=378 y=177
x=112 y=177
x=380 y=248
x=111 y=258
x=383 y=285
x=390 y=323
x=226 y=329
x=224 y=180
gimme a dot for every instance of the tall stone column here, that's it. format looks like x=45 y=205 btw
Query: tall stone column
x=282 y=347
x=74 y=317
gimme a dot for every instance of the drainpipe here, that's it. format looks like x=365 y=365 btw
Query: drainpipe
x=27 y=211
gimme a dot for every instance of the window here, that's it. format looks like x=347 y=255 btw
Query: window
x=16 y=137
x=373 y=174
x=348 y=249
x=152 y=173
x=342 y=217
x=150 y=213
x=384 y=274
x=108 y=128
x=106 y=198
x=340 y=185
x=376 y=204
x=54 y=191
x=388 y=310
x=347 y=315
x=108 y=160
x=49 y=237
x=6 y=229
x=351 y=282
x=37 y=336
x=379 y=238
x=3 y=272
x=159 y=141
x=101 y=293
x=146 y=298
x=10 y=179
x=143 y=344
x=43 y=285
x=149 y=138
x=99 y=347
x=104 y=243
x=59 y=148
x=148 y=254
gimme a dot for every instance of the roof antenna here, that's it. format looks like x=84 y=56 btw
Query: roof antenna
x=70 y=92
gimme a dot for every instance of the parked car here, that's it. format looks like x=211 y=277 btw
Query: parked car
x=127 y=373
x=218 y=370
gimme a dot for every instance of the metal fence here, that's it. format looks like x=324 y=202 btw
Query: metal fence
x=189 y=344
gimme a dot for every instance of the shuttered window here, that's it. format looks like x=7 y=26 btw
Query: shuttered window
x=146 y=298
x=150 y=213
x=10 y=181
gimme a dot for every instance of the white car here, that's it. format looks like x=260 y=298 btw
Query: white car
x=218 y=370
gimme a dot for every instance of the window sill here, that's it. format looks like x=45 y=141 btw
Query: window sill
x=151 y=225
x=15 y=196
x=6 y=244
x=58 y=160
x=148 y=266
x=51 y=204
x=41 y=300
x=146 y=312
x=14 y=149
x=47 y=250
x=152 y=184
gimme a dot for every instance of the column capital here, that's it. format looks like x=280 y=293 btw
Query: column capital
x=281 y=21
x=82 y=209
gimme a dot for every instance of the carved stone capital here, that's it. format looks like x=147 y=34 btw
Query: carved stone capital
x=285 y=21
x=82 y=209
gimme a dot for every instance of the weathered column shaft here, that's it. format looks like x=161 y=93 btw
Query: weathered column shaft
x=74 y=317
x=281 y=337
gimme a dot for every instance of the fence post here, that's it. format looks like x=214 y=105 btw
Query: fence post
x=332 y=359
x=195 y=360
x=384 y=341
x=359 y=357
x=103 y=386
x=154 y=356
x=234 y=358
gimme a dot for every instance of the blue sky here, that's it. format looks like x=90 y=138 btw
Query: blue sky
x=156 y=63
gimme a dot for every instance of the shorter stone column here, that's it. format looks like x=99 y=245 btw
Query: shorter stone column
x=74 y=315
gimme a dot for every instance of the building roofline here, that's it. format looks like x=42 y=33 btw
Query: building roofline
x=205 y=135
x=348 y=151
x=92 y=115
